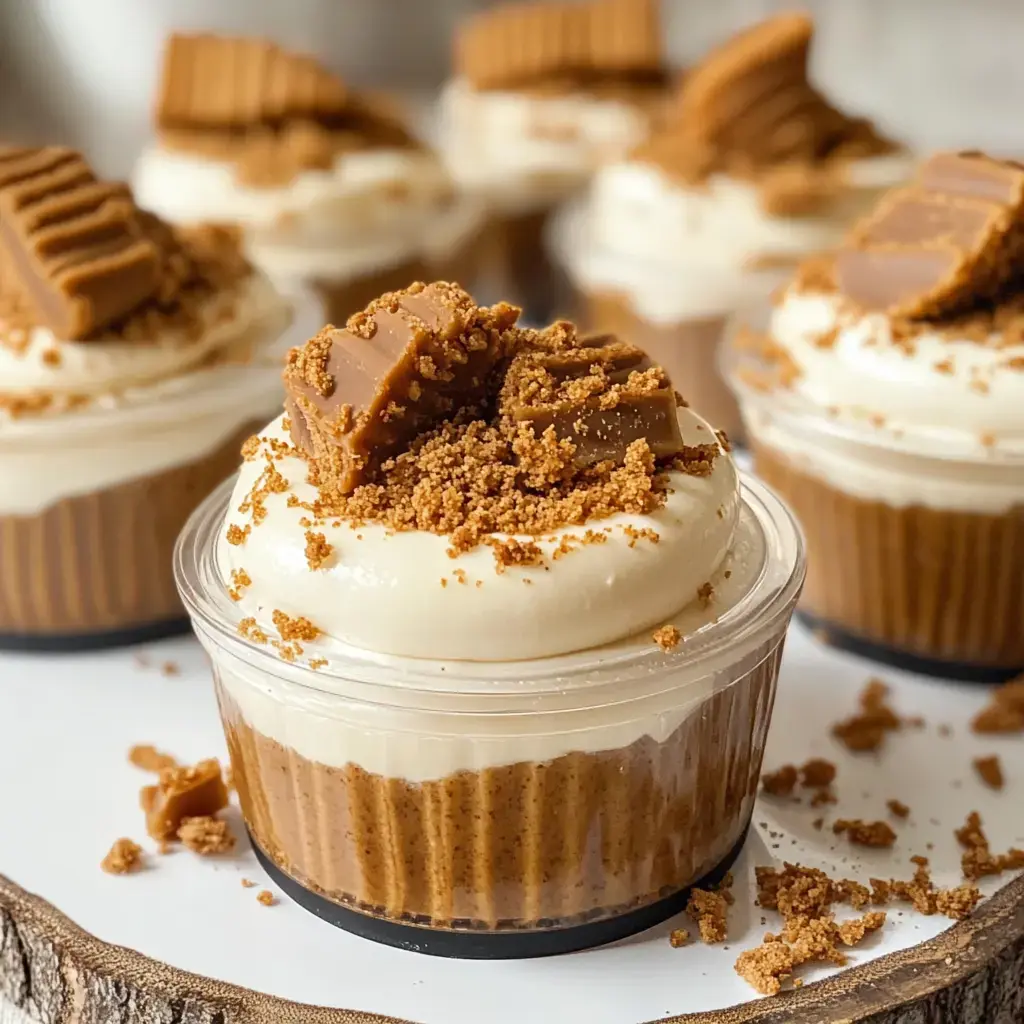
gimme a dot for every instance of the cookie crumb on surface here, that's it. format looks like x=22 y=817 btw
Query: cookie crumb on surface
x=990 y=770
x=678 y=937
x=709 y=911
x=817 y=773
x=865 y=833
x=898 y=808
x=122 y=858
x=170 y=668
x=240 y=579
x=206 y=835
x=667 y=637
x=248 y=883
x=1005 y=710
x=318 y=551
x=781 y=782
x=977 y=860
x=867 y=730
x=266 y=897
x=149 y=759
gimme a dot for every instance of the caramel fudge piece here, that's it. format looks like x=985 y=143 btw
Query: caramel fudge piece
x=951 y=241
x=359 y=395
x=181 y=793
x=71 y=245
x=601 y=397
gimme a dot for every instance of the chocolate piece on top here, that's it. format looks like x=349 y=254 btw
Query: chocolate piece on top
x=214 y=81
x=359 y=395
x=951 y=241
x=601 y=396
x=524 y=43
x=72 y=247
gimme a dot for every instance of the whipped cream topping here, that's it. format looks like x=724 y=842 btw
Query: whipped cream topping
x=524 y=151
x=372 y=209
x=381 y=591
x=682 y=253
x=955 y=404
x=123 y=410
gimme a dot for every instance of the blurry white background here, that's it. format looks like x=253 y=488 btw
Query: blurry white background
x=933 y=72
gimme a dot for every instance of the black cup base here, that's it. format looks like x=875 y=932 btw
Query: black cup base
x=955 y=670
x=61 y=643
x=491 y=945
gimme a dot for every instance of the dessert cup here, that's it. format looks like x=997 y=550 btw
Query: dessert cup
x=503 y=808
x=915 y=537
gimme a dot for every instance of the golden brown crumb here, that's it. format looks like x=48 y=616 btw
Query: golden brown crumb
x=865 y=833
x=247 y=628
x=678 y=937
x=978 y=860
x=512 y=552
x=294 y=628
x=705 y=595
x=990 y=770
x=636 y=535
x=817 y=773
x=867 y=729
x=248 y=883
x=822 y=797
x=1005 y=710
x=123 y=857
x=266 y=897
x=240 y=579
x=237 y=534
x=149 y=759
x=206 y=835
x=898 y=808
x=667 y=637
x=317 y=663
x=781 y=782
x=183 y=792
x=318 y=550
x=170 y=668
x=710 y=912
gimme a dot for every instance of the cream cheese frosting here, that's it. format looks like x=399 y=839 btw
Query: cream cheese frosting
x=373 y=208
x=525 y=151
x=126 y=409
x=382 y=591
x=941 y=418
x=683 y=252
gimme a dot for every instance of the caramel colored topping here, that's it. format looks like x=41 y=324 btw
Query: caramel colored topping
x=221 y=82
x=123 y=857
x=678 y=937
x=183 y=793
x=269 y=112
x=266 y=897
x=949 y=242
x=359 y=395
x=521 y=44
x=748 y=110
x=73 y=247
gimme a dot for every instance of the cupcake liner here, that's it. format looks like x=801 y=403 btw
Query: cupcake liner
x=579 y=838
x=938 y=584
x=101 y=562
x=688 y=350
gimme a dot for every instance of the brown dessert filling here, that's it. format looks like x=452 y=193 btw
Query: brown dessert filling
x=269 y=112
x=430 y=413
x=608 y=47
x=749 y=111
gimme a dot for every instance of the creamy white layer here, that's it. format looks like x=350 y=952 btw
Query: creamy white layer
x=381 y=591
x=683 y=253
x=153 y=405
x=372 y=209
x=524 y=151
x=942 y=419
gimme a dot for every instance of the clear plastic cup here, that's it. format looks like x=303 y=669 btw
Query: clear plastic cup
x=916 y=546
x=492 y=809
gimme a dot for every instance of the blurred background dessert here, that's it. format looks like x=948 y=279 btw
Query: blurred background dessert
x=334 y=195
x=134 y=359
x=885 y=403
x=752 y=169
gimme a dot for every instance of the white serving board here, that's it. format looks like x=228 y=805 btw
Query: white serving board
x=68 y=791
